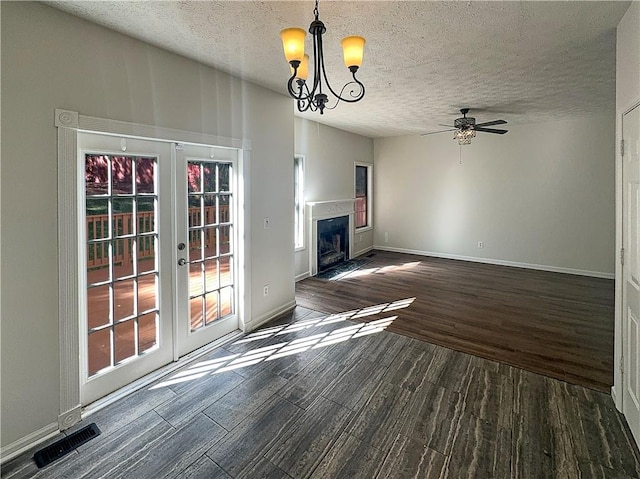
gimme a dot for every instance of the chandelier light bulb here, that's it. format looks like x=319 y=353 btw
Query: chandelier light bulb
x=293 y=43
x=353 y=51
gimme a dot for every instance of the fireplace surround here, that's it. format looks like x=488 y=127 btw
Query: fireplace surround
x=335 y=220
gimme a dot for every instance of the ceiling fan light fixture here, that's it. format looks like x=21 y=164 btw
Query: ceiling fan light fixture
x=464 y=136
x=314 y=96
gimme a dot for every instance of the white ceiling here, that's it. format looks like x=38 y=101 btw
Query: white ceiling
x=521 y=61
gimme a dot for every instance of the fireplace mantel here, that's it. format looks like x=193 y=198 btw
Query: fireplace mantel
x=322 y=210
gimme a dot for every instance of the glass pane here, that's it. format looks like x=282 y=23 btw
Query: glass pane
x=100 y=253
x=96 y=179
x=148 y=262
x=195 y=245
x=122 y=205
x=225 y=239
x=195 y=213
x=211 y=300
x=147 y=332
x=145 y=175
x=226 y=301
x=195 y=279
x=120 y=224
x=97 y=214
x=210 y=209
x=194 y=177
x=195 y=307
x=361 y=181
x=210 y=242
x=147 y=293
x=146 y=247
x=361 y=212
x=123 y=299
x=224 y=172
x=99 y=350
x=97 y=275
x=225 y=208
x=209 y=177
x=146 y=215
x=211 y=274
x=98 y=306
x=125 y=340
x=122 y=260
x=226 y=273
x=121 y=175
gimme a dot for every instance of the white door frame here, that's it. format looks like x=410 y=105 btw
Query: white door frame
x=68 y=124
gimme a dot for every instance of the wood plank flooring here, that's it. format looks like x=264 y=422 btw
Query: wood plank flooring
x=322 y=396
x=555 y=324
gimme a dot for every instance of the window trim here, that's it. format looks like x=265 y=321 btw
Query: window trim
x=302 y=229
x=369 y=167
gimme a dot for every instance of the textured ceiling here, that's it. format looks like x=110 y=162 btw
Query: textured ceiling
x=521 y=61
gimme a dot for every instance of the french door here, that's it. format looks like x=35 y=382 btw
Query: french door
x=207 y=263
x=151 y=217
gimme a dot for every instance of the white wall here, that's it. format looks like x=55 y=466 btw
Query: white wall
x=543 y=194
x=53 y=60
x=627 y=95
x=330 y=155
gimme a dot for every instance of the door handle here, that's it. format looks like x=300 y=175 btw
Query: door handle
x=182 y=262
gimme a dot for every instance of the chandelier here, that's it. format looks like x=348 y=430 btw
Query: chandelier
x=317 y=98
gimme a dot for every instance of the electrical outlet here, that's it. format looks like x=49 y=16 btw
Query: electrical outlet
x=265 y=290
x=386 y=236
x=480 y=244
x=266 y=225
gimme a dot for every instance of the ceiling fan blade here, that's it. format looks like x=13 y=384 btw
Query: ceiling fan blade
x=489 y=123
x=491 y=130
x=434 y=132
x=448 y=126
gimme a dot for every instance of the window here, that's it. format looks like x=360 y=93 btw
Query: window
x=298 y=199
x=363 y=195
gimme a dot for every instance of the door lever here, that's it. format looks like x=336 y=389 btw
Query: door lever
x=182 y=262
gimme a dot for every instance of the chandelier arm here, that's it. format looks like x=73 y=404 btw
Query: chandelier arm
x=354 y=97
x=318 y=63
x=305 y=102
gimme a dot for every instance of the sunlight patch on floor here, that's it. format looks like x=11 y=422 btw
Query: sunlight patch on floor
x=283 y=349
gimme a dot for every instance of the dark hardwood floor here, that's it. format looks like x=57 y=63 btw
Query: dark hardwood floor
x=555 y=324
x=321 y=396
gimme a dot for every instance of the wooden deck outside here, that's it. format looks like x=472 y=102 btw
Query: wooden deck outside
x=125 y=335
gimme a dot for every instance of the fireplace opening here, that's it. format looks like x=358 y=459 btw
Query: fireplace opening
x=333 y=242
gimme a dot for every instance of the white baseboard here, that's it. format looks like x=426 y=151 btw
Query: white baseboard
x=268 y=316
x=27 y=442
x=362 y=251
x=614 y=396
x=500 y=262
x=305 y=275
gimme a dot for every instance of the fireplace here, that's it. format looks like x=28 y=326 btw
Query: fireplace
x=332 y=242
x=330 y=227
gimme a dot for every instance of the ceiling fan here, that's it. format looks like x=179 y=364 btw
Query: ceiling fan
x=465 y=128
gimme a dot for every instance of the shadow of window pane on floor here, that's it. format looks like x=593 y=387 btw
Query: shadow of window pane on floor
x=287 y=348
